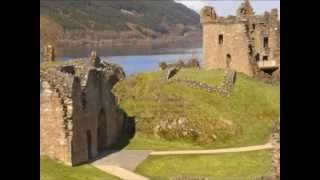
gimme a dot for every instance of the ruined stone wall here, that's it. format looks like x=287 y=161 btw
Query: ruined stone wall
x=223 y=89
x=53 y=141
x=246 y=37
x=95 y=112
x=56 y=126
x=79 y=113
x=235 y=43
x=267 y=28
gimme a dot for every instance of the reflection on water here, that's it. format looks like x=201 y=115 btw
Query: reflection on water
x=133 y=64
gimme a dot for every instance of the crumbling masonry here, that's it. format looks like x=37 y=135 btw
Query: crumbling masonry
x=79 y=116
x=223 y=89
x=49 y=53
x=246 y=42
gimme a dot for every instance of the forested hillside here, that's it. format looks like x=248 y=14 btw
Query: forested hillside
x=115 y=14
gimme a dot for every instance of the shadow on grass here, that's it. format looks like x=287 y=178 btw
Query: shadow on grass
x=129 y=130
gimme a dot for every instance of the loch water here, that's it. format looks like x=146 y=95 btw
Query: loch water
x=137 y=63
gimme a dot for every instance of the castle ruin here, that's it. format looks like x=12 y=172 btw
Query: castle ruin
x=79 y=115
x=246 y=42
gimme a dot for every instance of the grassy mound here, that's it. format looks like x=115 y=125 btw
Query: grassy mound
x=245 y=165
x=175 y=116
x=52 y=170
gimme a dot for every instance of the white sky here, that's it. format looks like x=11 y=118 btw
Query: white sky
x=229 y=7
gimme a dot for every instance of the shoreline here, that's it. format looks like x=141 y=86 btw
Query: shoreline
x=164 y=51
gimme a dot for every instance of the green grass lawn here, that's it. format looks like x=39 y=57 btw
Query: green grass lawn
x=240 y=166
x=245 y=118
x=53 y=170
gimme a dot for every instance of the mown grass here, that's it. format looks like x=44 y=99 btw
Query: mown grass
x=240 y=166
x=245 y=118
x=53 y=170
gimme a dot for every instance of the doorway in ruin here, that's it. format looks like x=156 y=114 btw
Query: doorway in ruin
x=102 y=130
x=220 y=39
x=257 y=57
x=265 y=42
x=228 y=60
x=250 y=49
x=89 y=144
x=269 y=71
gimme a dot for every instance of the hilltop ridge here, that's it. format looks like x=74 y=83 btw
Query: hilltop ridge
x=114 y=14
x=108 y=23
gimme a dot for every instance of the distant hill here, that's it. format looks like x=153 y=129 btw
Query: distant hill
x=109 y=23
x=115 y=14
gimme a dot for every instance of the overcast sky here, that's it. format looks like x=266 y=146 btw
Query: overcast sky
x=229 y=7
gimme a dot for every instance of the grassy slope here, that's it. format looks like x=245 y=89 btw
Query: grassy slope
x=224 y=166
x=52 y=170
x=250 y=110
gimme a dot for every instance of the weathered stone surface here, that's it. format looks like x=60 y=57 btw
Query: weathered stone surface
x=79 y=116
x=208 y=14
x=49 y=53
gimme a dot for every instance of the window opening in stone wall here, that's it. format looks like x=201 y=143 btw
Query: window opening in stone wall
x=257 y=57
x=220 y=39
x=265 y=58
x=265 y=42
x=247 y=28
x=89 y=144
x=228 y=60
x=268 y=71
x=250 y=50
x=253 y=26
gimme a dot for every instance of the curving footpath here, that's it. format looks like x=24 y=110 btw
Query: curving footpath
x=123 y=163
x=214 y=151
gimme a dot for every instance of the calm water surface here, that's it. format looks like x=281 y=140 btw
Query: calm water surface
x=133 y=64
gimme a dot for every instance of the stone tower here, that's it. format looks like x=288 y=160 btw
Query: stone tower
x=246 y=42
